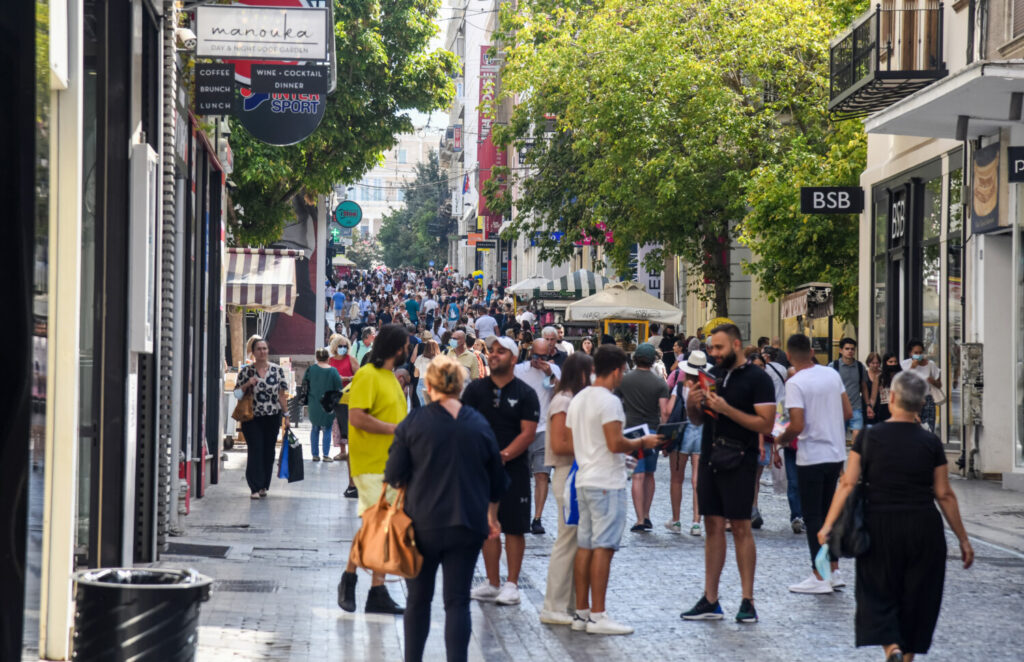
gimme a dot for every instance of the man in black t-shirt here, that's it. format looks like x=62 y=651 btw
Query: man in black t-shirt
x=739 y=409
x=511 y=407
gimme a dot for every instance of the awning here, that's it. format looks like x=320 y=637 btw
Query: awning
x=525 y=287
x=624 y=301
x=342 y=261
x=982 y=92
x=813 y=300
x=262 y=278
x=577 y=285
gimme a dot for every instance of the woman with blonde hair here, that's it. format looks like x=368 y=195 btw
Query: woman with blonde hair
x=249 y=358
x=446 y=456
x=341 y=359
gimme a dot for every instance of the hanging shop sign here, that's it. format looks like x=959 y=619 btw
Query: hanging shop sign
x=486 y=245
x=831 y=200
x=289 y=78
x=262 y=33
x=215 y=89
x=985 y=192
x=348 y=214
x=1015 y=159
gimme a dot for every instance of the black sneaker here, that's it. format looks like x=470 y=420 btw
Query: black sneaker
x=647 y=524
x=347 y=591
x=747 y=613
x=536 y=527
x=379 y=602
x=703 y=611
x=352 y=493
x=638 y=528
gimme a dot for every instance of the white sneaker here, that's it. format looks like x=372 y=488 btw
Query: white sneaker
x=837 y=580
x=508 y=595
x=484 y=592
x=580 y=620
x=674 y=527
x=555 y=617
x=603 y=624
x=811 y=585
x=695 y=529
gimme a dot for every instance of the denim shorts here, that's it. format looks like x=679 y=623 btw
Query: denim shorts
x=857 y=421
x=648 y=464
x=536 y=455
x=602 y=517
x=690 y=443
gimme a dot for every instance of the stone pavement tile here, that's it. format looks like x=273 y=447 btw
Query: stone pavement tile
x=275 y=593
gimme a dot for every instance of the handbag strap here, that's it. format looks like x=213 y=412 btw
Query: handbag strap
x=864 y=458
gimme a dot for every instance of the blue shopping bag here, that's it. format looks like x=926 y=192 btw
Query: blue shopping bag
x=282 y=463
x=571 y=507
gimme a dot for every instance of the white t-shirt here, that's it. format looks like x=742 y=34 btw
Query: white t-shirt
x=559 y=405
x=526 y=316
x=588 y=412
x=542 y=386
x=486 y=326
x=566 y=347
x=429 y=306
x=923 y=371
x=819 y=392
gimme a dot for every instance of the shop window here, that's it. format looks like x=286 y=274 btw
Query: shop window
x=879 y=305
x=932 y=220
x=954 y=309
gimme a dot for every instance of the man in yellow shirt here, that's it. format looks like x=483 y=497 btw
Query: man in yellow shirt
x=376 y=406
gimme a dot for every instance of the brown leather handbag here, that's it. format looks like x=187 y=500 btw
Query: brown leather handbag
x=244 y=411
x=386 y=542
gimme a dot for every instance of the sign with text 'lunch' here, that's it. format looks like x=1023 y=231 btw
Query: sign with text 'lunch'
x=831 y=200
x=263 y=33
x=296 y=79
x=215 y=88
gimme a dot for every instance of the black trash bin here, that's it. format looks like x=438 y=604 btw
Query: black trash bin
x=138 y=614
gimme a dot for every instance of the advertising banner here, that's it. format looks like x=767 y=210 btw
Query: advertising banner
x=488 y=154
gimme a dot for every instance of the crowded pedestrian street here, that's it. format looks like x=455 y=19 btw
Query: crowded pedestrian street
x=277 y=562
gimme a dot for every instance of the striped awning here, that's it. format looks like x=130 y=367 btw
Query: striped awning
x=577 y=285
x=262 y=278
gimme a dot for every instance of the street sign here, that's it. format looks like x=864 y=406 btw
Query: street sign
x=348 y=214
x=831 y=200
x=262 y=33
x=294 y=79
x=215 y=88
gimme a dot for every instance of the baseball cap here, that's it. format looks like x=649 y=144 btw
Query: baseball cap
x=646 y=352
x=696 y=362
x=504 y=341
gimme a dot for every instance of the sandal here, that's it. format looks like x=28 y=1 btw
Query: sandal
x=895 y=656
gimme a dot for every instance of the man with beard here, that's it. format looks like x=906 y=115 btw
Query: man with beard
x=739 y=409
x=512 y=409
x=376 y=406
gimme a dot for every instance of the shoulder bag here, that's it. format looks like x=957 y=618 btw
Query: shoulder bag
x=245 y=407
x=386 y=542
x=849 y=537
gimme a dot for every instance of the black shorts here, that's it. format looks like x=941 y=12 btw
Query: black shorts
x=728 y=494
x=514 y=509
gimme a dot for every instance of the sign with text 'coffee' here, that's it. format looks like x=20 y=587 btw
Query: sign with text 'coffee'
x=294 y=79
x=831 y=200
x=215 y=89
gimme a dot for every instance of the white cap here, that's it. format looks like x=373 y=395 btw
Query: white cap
x=504 y=341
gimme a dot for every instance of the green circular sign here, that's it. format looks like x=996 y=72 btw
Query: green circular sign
x=348 y=214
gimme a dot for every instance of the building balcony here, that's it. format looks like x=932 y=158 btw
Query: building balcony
x=885 y=56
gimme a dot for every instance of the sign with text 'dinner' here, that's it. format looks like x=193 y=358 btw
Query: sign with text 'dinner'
x=295 y=79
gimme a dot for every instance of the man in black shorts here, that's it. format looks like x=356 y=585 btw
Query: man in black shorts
x=511 y=406
x=739 y=409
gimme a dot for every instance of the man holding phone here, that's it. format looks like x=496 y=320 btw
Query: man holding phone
x=542 y=376
x=743 y=408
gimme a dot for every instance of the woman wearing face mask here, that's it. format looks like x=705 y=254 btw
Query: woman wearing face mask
x=882 y=386
x=342 y=360
x=929 y=371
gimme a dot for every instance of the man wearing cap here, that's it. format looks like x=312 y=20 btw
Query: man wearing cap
x=645 y=401
x=541 y=375
x=512 y=409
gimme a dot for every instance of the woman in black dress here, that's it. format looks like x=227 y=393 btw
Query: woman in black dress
x=900 y=578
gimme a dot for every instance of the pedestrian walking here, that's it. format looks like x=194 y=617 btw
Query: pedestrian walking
x=818 y=407
x=512 y=410
x=321 y=378
x=446 y=456
x=919 y=363
x=559 y=593
x=687 y=450
x=883 y=387
x=542 y=376
x=858 y=386
x=739 y=408
x=266 y=382
x=376 y=406
x=900 y=579
x=645 y=400
x=364 y=344
x=595 y=421
x=430 y=350
x=874 y=364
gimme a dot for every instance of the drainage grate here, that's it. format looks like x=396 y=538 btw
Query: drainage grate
x=190 y=549
x=245 y=586
x=230 y=528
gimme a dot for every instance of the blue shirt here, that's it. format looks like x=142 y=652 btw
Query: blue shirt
x=339 y=300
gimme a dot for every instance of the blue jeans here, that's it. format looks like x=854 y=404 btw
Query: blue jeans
x=323 y=435
x=792 y=485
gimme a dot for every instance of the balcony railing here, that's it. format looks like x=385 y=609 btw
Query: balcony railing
x=886 y=55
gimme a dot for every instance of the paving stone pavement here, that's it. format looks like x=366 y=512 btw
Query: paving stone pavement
x=275 y=591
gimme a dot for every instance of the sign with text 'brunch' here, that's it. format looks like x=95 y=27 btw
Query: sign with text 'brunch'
x=215 y=89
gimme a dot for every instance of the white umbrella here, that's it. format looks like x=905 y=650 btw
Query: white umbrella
x=524 y=288
x=626 y=301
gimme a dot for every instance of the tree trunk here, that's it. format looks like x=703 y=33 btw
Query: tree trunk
x=236 y=329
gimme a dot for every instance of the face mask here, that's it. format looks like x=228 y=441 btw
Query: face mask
x=917 y=357
x=342 y=351
x=453 y=343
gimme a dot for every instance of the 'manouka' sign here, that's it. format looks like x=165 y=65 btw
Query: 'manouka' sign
x=264 y=33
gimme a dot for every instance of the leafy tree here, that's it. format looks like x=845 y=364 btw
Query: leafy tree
x=364 y=252
x=663 y=109
x=411 y=236
x=383 y=70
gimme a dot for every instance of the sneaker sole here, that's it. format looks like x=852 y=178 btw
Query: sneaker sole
x=579 y=628
x=746 y=620
x=551 y=621
x=506 y=603
x=812 y=592
x=609 y=634
x=703 y=617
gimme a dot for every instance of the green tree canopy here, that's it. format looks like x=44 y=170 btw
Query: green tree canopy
x=416 y=233
x=384 y=69
x=648 y=118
